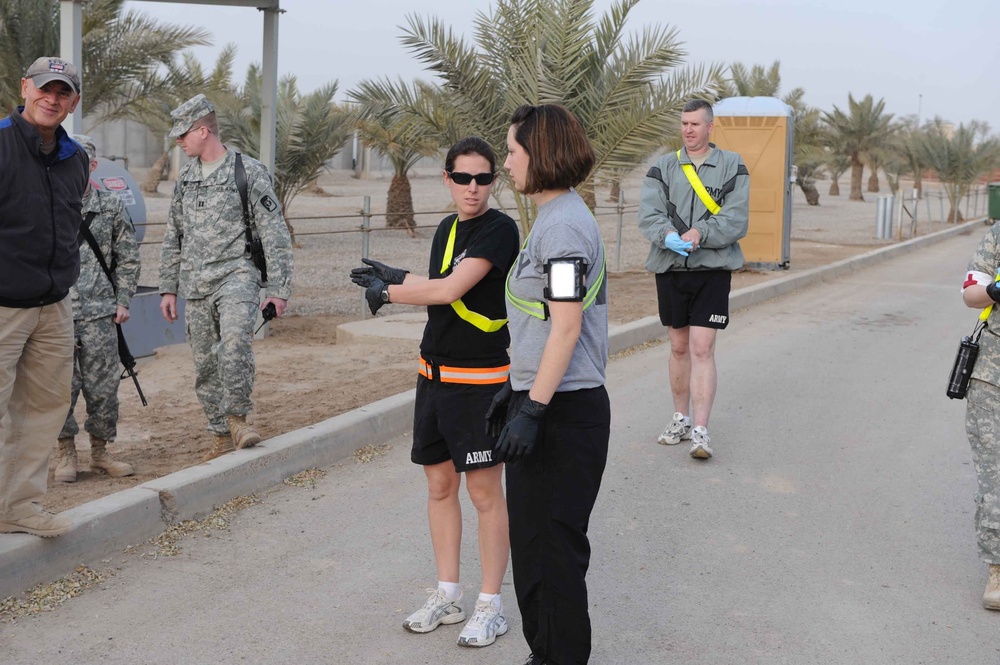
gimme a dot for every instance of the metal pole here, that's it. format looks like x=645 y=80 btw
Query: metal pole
x=941 y=205
x=621 y=214
x=927 y=204
x=916 y=210
x=71 y=49
x=366 y=225
x=269 y=88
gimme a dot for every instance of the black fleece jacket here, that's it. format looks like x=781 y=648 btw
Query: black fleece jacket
x=40 y=201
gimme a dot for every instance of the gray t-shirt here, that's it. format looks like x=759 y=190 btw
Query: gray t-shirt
x=564 y=228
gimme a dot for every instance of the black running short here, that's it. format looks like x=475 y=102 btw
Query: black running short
x=694 y=298
x=449 y=423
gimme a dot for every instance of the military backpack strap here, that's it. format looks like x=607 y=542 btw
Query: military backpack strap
x=252 y=246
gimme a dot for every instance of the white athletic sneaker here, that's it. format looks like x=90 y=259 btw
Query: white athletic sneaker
x=436 y=611
x=678 y=430
x=484 y=627
x=699 y=443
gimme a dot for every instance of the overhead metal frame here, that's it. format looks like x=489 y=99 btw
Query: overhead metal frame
x=71 y=48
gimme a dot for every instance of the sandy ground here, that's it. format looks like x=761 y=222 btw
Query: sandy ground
x=304 y=376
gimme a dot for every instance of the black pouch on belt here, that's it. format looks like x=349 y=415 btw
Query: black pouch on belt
x=961 y=373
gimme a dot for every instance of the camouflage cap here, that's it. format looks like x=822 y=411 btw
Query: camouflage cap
x=87 y=144
x=187 y=113
x=47 y=69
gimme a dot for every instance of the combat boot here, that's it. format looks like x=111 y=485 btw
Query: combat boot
x=244 y=435
x=66 y=461
x=991 y=599
x=223 y=444
x=100 y=460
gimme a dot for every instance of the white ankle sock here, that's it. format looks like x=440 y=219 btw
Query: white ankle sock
x=492 y=598
x=452 y=590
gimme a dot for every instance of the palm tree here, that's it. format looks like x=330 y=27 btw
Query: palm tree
x=404 y=123
x=310 y=129
x=959 y=157
x=754 y=82
x=907 y=148
x=122 y=52
x=626 y=89
x=858 y=132
x=875 y=159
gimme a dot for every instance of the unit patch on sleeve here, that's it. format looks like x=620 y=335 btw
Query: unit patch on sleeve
x=268 y=203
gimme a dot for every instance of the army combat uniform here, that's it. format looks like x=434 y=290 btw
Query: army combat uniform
x=981 y=419
x=95 y=369
x=204 y=260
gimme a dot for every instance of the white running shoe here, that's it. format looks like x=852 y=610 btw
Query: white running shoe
x=678 y=430
x=436 y=611
x=699 y=443
x=485 y=626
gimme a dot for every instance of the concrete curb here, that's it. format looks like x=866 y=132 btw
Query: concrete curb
x=110 y=524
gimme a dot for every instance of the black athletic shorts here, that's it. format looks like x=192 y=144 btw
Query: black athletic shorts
x=694 y=298
x=449 y=423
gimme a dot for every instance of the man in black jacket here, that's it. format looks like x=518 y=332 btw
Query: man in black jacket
x=43 y=177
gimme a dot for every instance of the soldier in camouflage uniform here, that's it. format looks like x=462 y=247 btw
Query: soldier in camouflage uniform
x=96 y=309
x=204 y=261
x=980 y=290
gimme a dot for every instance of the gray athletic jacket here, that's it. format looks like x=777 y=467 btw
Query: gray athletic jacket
x=669 y=204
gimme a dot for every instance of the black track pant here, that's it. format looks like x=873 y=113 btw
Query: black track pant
x=550 y=496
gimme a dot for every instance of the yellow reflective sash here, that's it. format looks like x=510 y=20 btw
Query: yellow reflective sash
x=478 y=320
x=537 y=308
x=698 y=187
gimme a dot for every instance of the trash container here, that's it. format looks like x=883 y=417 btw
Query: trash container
x=994 y=202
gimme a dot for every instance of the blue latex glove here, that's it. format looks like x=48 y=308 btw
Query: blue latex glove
x=674 y=242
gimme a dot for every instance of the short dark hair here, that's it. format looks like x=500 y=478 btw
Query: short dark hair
x=470 y=145
x=210 y=120
x=697 y=105
x=559 y=152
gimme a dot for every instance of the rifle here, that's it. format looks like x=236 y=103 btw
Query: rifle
x=124 y=354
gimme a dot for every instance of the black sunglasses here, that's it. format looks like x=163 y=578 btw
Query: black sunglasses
x=482 y=179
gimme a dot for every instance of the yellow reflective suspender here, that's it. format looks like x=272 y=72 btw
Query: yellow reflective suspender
x=478 y=320
x=537 y=308
x=698 y=187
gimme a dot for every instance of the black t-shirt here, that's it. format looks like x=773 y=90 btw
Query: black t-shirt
x=447 y=338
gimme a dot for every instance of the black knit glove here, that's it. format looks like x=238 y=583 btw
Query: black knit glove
x=496 y=415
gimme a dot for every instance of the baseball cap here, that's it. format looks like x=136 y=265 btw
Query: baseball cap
x=47 y=69
x=87 y=144
x=188 y=113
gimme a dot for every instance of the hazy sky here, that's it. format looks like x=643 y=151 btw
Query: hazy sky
x=932 y=57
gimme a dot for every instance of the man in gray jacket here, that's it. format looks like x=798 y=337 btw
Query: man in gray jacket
x=694 y=208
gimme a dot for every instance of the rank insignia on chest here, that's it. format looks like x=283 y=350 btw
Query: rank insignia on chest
x=201 y=204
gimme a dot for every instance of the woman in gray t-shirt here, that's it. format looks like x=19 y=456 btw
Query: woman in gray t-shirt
x=554 y=417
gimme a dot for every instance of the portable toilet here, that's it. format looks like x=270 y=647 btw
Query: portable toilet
x=762 y=131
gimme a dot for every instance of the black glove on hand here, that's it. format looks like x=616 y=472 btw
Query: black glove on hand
x=518 y=438
x=496 y=415
x=993 y=291
x=380 y=271
x=373 y=294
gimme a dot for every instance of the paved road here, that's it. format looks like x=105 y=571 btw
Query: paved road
x=833 y=525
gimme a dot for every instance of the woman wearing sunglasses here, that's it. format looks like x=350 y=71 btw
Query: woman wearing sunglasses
x=554 y=417
x=463 y=363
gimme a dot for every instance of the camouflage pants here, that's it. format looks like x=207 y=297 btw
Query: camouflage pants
x=983 y=429
x=220 y=330
x=97 y=374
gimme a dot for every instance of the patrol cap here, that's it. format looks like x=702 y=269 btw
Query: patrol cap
x=47 y=69
x=87 y=144
x=188 y=113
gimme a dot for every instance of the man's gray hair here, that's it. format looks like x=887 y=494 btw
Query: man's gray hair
x=697 y=105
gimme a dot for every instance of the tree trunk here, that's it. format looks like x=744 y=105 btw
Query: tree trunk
x=955 y=216
x=586 y=191
x=616 y=188
x=918 y=183
x=155 y=174
x=834 y=188
x=399 y=204
x=873 y=182
x=857 y=174
x=811 y=193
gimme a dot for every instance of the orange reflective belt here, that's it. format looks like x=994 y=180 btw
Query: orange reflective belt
x=471 y=375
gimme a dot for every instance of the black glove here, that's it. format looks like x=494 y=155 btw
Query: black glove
x=993 y=291
x=496 y=415
x=380 y=271
x=373 y=294
x=518 y=438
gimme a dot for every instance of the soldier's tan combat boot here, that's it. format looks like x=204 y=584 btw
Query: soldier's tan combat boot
x=244 y=434
x=991 y=599
x=100 y=460
x=223 y=444
x=66 y=461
